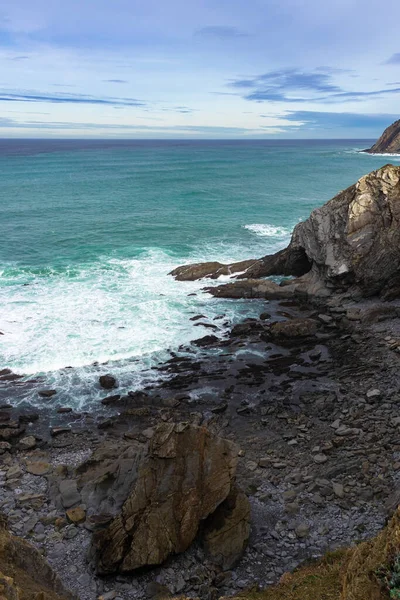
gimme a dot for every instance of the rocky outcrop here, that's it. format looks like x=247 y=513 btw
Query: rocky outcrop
x=24 y=574
x=212 y=270
x=350 y=243
x=389 y=142
x=156 y=495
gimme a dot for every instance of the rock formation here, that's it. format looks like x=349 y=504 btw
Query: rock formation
x=152 y=497
x=350 y=243
x=24 y=574
x=389 y=142
x=213 y=270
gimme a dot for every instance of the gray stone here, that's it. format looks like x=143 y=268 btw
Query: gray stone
x=69 y=493
x=302 y=530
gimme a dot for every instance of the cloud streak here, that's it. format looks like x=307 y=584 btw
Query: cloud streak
x=297 y=86
x=220 y=32
x=67 y=99
x=394 y=59
x=340 y=120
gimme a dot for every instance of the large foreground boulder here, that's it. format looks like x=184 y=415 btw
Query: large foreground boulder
x=351 y=242
x=157 y=495
x=389 y=142
x=24 y=574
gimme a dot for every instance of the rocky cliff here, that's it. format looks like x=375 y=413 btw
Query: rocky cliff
x=389 y=142
x=351 y=243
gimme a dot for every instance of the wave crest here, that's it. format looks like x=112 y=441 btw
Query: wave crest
x=267 y=230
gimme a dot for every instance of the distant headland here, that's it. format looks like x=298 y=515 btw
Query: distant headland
x=389 y=142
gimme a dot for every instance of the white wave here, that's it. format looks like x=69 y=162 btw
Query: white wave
x=266 y=230
x=127 y=312
x=381 y=154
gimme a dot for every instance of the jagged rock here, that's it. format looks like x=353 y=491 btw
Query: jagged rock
x=212 y=270
x=24 y=574
x=351 y=242
x=180 y=477
x=227 y=531
x=254 y=288
x=389 y=142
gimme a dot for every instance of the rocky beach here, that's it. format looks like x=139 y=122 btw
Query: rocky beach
x=256 y=451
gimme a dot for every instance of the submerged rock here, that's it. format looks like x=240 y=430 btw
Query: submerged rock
x=389 y=142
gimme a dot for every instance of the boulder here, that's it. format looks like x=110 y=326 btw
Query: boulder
x=389 y=142
x=159 y=493
x=107 y=382
x=294 y=328
x=227 y=530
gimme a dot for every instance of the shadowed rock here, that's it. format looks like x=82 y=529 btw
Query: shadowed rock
x=227 y=531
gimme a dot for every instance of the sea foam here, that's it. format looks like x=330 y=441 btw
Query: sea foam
x=266 y=230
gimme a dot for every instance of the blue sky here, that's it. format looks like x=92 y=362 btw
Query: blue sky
x=199 y=68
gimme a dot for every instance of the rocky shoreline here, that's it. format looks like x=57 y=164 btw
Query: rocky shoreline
x=298 y=408
x=318 y=430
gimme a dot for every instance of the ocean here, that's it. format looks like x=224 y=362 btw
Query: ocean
x=90 y=230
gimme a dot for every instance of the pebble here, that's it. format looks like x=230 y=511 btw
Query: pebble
x=374 y=394
x=320 y=458
x=338 y=490
x=76 y=515
x=302 y=530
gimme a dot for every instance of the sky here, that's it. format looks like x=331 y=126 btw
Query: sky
x=199 y=68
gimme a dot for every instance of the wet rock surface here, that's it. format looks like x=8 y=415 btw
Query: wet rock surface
x=315 y=417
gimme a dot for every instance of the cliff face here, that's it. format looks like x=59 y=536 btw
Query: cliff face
x=351 y=242
x=389 y=142
x=354 y=239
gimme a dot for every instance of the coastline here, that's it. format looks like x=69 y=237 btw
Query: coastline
x=295 y=467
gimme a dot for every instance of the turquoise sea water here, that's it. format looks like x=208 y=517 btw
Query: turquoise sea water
x=90 y=230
